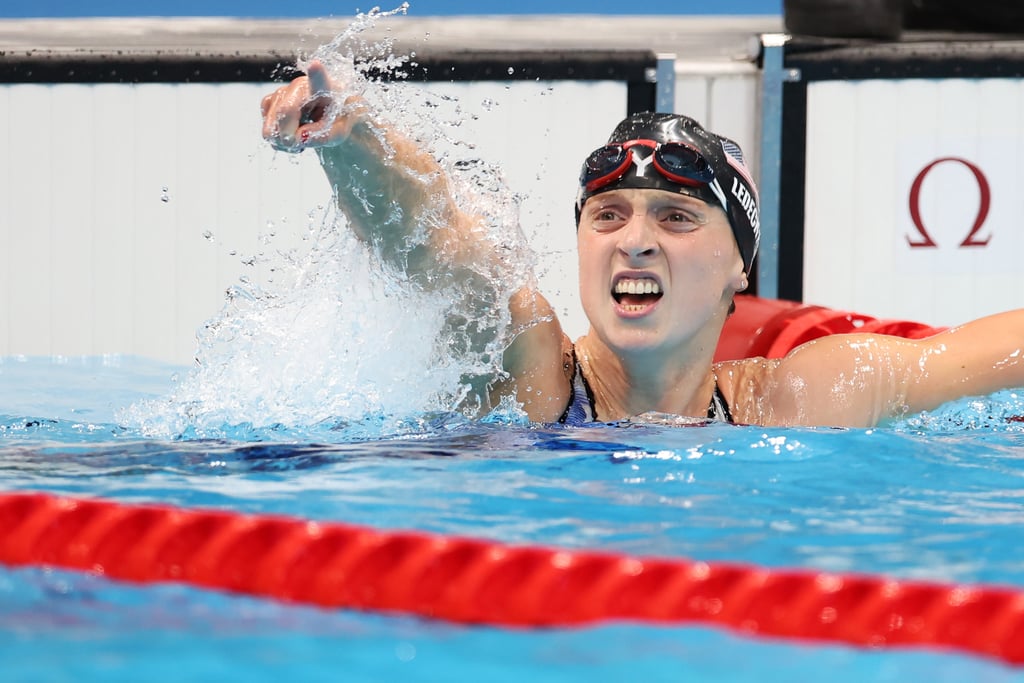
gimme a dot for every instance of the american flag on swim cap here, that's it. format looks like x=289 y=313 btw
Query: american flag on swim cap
x=734 y=156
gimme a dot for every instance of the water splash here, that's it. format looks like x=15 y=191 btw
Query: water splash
x=1002 y=411
x=337 y=339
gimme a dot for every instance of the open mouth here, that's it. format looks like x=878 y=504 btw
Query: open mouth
x=636 y=293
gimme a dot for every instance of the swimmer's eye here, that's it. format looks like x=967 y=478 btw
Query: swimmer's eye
x=607 y=217
x=679 y=219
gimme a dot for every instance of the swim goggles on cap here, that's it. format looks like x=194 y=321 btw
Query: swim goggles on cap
x=676 y=161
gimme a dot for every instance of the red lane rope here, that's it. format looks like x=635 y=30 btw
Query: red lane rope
x=474 y=581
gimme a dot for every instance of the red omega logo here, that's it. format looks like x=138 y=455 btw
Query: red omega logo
x=972 y=239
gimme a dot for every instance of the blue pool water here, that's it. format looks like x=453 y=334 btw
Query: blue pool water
x=939 y=496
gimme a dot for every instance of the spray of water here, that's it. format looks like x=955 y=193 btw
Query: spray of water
x=339 y=340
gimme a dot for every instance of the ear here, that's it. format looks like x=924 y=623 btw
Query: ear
x=740 y=281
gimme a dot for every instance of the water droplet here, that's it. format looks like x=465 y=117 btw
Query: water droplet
x=511 y=71
x=405 y=652
x=164 y=197
x=208 y=236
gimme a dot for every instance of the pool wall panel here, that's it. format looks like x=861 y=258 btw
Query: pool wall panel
x=868 y=141
x=112 y=189
x=139 y=189
x=901 y=175
x=143 y=203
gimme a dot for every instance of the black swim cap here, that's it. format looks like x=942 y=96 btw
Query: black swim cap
x=731 y=188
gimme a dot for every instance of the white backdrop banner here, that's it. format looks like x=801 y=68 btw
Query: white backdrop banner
x=914 y=200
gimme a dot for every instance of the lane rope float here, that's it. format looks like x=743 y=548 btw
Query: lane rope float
x=473 y=581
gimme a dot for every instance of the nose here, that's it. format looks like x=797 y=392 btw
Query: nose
x=639 y=238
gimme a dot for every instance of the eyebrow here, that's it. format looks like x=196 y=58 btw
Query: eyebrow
x=685 y=199
x=612 y=198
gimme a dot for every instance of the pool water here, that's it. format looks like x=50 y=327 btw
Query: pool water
x=938 y=496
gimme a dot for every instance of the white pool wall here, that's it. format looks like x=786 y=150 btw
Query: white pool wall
x=127 y=210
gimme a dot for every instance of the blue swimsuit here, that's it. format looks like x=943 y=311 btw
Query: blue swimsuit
x=581 y=405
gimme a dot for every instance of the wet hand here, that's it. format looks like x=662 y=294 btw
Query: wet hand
x=311 y=111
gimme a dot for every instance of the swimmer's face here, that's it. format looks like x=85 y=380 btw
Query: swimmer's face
x=656 y=268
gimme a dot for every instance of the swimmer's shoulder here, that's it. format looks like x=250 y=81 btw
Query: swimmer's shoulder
x=794 y=390
x=751 y=387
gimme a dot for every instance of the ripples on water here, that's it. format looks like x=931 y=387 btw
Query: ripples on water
x=933 y=497
x=926 y=497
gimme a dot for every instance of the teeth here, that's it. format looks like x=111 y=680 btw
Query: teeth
x=640 y=286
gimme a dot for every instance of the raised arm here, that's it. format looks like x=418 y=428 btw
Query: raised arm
x=861 y=380
x=394 y=194
x=399 y=200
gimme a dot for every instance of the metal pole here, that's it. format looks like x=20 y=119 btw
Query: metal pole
x=773 y=76
x=665 y=88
